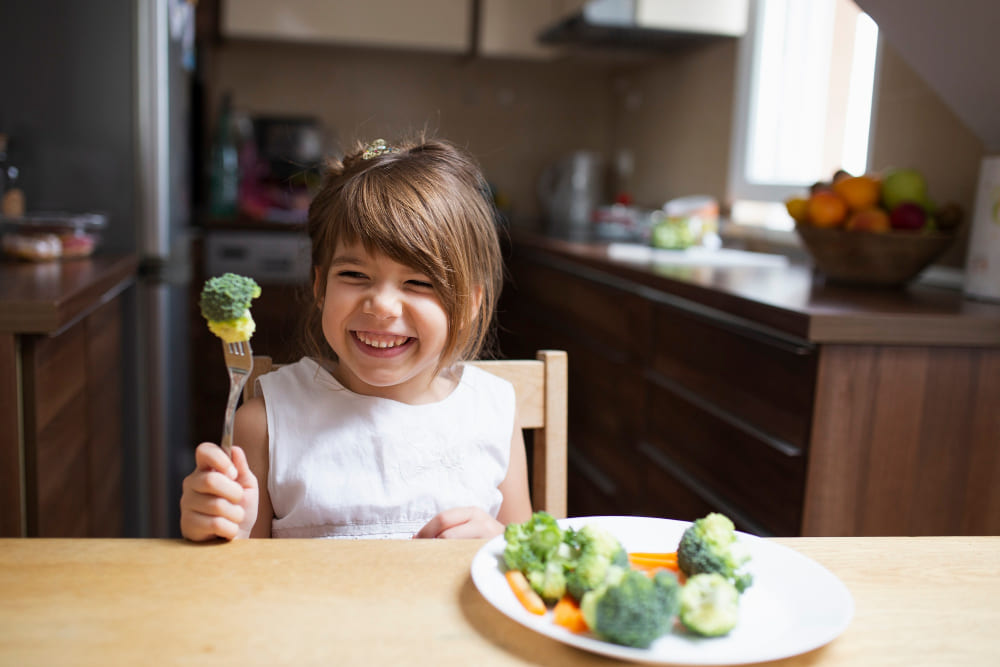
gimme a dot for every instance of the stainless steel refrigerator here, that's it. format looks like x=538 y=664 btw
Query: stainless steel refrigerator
x=95 y=97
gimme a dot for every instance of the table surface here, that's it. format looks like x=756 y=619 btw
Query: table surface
x=918 y=601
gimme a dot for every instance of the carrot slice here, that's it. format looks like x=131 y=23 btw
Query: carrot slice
x=653 y=561
x=567 y=614
x=524 y=593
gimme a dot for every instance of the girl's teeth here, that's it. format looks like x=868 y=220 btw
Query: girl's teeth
x=382 y=342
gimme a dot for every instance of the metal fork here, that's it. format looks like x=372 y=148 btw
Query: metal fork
x=239 y=363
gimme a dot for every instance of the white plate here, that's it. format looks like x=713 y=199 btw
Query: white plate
x=794 y=605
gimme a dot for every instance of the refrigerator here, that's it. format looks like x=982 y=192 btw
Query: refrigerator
x=97 y=102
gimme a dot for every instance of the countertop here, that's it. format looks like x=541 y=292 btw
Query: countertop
x=789 y=300
x=405 y=602
x=45 y=297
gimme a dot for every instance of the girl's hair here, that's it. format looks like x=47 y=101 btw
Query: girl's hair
x=423 y=204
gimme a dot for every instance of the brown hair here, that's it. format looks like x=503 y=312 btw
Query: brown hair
x=423 y=204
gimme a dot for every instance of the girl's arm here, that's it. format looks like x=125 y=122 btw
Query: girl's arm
x=250 y=432
x=516 y=505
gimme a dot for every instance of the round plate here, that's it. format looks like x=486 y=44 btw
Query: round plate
x=794 y=605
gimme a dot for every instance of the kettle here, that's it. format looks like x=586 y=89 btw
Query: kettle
x=569 y=191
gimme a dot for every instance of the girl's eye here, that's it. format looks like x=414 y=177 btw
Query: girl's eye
x=351 y=275
x=421 y=284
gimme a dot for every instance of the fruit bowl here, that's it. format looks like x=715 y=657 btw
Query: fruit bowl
x=889 y=259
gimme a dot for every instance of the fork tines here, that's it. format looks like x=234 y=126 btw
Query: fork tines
x=238 y=348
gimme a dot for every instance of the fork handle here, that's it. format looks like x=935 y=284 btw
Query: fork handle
x=235 y=388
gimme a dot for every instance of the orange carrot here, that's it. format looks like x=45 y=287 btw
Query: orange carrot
x=567 y=614
x=524 y=593
x=653 y=561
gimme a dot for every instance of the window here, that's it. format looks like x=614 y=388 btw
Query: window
x=804 y=100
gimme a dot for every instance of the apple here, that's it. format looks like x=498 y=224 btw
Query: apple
x=903 y=185
x=908 y=216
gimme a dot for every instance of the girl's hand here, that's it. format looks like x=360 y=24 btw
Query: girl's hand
x=461 y=522
x=220 y=496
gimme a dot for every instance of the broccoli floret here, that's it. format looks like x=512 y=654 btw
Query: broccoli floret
x=710 y=545
x=630 y=608
x=597 y=550
x=709 y=605
x=227 y=297
x=225 y=303
x=532 y=543
x=549 y=581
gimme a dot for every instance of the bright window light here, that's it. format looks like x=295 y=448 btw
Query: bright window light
x=804 y=101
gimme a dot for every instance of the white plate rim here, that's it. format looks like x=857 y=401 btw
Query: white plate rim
x=801 y=635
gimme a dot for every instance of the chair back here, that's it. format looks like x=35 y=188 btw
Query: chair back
x=540 y=387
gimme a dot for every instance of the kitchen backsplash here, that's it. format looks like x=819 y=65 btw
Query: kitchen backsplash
x=674 y=113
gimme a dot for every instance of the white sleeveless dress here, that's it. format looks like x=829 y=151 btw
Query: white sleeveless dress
x=351 y=466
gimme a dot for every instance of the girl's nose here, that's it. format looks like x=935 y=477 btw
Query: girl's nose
x=383 y=303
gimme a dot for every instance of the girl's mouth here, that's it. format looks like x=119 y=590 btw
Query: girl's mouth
x=373 y=342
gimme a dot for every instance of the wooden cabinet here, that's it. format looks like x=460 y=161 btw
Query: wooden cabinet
x=510 y=28
x=434 y=25
x=61 y=372
x=684 y=398
x=672 y=412
x=72 y=428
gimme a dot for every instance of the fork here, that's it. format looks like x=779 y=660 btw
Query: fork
x=239 y=363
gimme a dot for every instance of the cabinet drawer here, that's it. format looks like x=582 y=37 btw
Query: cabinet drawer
x=591 y=492
x=668 y=497
x=602 y=314
x=725 y=464
x=768 y=385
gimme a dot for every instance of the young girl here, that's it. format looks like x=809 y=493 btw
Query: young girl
x=380 y=431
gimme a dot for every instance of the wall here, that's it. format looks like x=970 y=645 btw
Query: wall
x=673 y=112
x=676 y=115
x=66 y=103
x=515 y=116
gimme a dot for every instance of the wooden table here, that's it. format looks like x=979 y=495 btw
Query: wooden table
x=919 y=601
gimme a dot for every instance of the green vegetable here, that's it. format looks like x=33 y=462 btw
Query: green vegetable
x=549 y=580
x=532 y=543
x=710 y=605
x=630 y=608
x=596 y=551
x=710 y=545
x=227 y=297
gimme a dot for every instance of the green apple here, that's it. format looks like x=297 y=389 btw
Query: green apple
x=903 y=185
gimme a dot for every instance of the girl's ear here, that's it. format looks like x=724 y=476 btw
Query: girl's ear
x=475 y=303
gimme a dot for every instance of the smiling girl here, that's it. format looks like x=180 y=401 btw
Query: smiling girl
x=380 y=430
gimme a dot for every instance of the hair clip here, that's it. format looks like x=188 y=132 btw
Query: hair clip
x=376 y=148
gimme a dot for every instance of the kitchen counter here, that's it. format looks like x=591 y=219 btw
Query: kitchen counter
x=44 y=297
x=795 y=407
x=344 y=602
x=791 y=301
x=61 y=395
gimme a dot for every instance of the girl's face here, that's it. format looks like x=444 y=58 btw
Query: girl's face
x=385 y=323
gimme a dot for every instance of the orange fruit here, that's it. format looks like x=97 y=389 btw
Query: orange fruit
x=826 y=209
x=869 y=220
x=859 y=192
x=798 y=208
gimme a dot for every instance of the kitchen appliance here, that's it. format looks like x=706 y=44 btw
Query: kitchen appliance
x=662 y=25
x=569 y=191
x=109 y=131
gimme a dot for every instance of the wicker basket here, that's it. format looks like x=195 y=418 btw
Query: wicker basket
x=867 y=258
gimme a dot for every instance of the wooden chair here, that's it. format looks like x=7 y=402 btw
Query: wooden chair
x=540 y=386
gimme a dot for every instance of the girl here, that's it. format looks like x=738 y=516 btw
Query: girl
x=380 y=431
